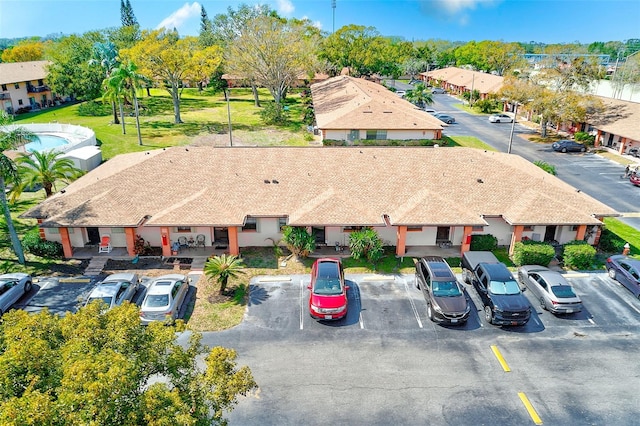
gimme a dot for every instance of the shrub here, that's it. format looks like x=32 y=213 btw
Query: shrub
x=549 y=168
x=579 y=255
x=298 y=240
x=584 y=137
x=533 y=253
x=140 y=247
x=274 y=114
x=610 y=242
x=484 y=242
x=366 y=243
x=485 y=105
x=33 y=244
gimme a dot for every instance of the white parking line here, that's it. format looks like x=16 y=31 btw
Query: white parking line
x=591 y=321
x=301 y=304
x=413 y=305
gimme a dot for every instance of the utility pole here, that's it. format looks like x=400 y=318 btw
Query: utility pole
x=333 y=6
x=513 y=125
x=228 y=95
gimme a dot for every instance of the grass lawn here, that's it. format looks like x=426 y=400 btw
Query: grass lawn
x=626 y=232
x=468 y=141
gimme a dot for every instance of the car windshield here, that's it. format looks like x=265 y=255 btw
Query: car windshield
x=504 y=287
x=105 y=299
x=327 y=286
x=563 y=291
x=157 y=300
x=446 y=289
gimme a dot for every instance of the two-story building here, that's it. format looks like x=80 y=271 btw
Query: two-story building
x=23 y=86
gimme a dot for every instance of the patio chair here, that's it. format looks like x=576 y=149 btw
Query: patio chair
x=183 y=242
x=105 y=244
x=200 y=240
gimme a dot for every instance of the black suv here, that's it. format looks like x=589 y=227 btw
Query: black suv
x=504 y=303
x=446 y=302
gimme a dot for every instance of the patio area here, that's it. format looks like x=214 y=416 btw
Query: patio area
x=121 y=252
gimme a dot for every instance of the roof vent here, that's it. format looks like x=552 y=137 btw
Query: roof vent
x=275 y=181
x=479 y=181
x=267 y=181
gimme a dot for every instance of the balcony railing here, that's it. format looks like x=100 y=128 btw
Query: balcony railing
x=4 y=96
x=37 y=89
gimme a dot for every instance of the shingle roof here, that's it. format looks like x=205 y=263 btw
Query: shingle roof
x=354 y=103
x=205 y=186
x=480 y=81
x=621 y=118
x=17 y=72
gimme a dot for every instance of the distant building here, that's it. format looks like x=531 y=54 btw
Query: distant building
x=458 y=80
x=23 y=86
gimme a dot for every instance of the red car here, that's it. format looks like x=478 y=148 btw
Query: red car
x=635 y=179
x=328 y=296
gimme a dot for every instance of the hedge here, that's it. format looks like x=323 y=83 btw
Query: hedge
x=33 y=244
x=579 y=255
x=483 y=242
x=533 y=253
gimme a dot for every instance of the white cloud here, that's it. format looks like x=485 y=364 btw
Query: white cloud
x=453 y=7
x=285 y=7
x=180 y=16
x=316 y=24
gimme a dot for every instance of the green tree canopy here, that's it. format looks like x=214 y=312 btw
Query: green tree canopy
x=102 y=367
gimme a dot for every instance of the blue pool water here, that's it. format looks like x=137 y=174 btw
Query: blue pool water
x=45 y=143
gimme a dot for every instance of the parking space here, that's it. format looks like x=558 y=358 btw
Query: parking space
x=67 y=294
x=394 y=304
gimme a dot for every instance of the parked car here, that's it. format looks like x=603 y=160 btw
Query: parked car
x=567 y=145
x=115 y=289
x=164 y=297
x=430 y=110
x=438 y=90
x=401 y=93
x=634 y=152
x=446 y=301
x=12 y=287
x=635 y=179
x=444 y=117
x=551 y=289
x=626 y=271
x=500 y=118
x=328 y=297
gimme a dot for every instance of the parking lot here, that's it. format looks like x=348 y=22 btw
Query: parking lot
x=386 y=362
x=393 y=303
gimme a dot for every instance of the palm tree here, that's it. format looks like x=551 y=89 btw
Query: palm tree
x=106 y=55
x=10 y=138
x=420 y=95
x=113 y=94
x=44 y=168
x=125 y=78
x=221 y=268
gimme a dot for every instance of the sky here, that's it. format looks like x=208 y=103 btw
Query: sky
x=545 y=21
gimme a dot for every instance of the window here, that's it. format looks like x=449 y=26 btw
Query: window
x=19 y=101
x=351 y=228
x=183 y=229
x=414 y=228
x=528 y=228
x=477 y=228
x=376 y=134
x=282 y=221
x=251 y=224
x=17 y=85
x=574 y=228
x=40 y=82
x=117 y=230
x=4 y=87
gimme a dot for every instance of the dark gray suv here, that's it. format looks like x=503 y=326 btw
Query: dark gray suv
x=446 y=301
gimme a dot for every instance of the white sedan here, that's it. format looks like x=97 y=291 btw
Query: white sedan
x=164 y=298
x=12 y=288
x=500 y=118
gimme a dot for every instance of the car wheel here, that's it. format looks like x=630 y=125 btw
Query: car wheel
x=563 y=150
x=429 y=311
x=497 y=121
x=542 y=304
x=27 y=287
x=488 y=314
x=612 y=274
x=583 y=149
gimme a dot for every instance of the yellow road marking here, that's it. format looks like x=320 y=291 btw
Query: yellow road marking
x=532 y=411
x=501 y=360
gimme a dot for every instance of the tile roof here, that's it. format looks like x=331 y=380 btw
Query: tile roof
x=17 y=72
x=354 y=103
x=480 y=81
x=205 y=186
x=621 y=118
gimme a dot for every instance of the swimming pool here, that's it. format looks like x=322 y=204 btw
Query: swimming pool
x=45 y=143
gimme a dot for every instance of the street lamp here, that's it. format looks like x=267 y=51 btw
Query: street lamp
x=513 y=125
x=228 y=95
